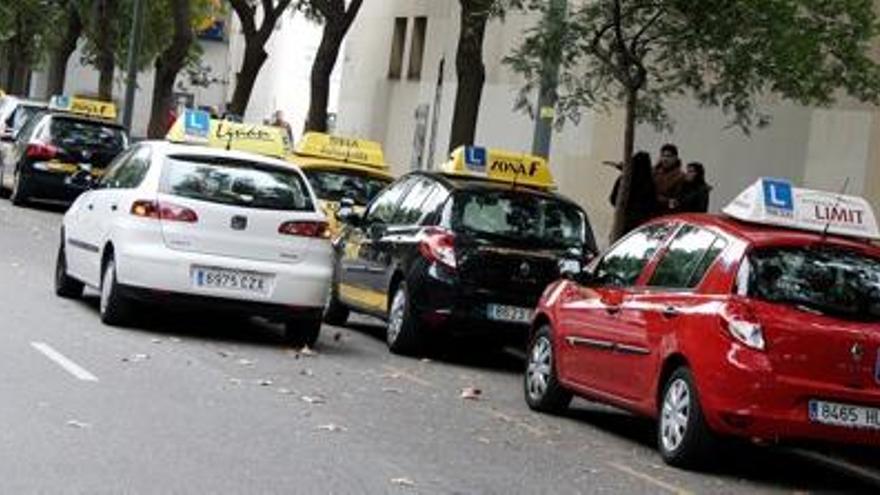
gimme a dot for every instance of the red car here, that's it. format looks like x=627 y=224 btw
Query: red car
x=719 y=327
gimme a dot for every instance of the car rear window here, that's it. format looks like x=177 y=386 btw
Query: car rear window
x=78 y=134
x=334 y=185
x=824 y=279
x=236 y=182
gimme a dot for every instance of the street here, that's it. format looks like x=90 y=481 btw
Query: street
x=199 y=403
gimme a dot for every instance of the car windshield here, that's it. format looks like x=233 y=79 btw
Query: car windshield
x=334 y=185
x=828 y=280
x=519 y=216
x=71 y=133
x=236 y=182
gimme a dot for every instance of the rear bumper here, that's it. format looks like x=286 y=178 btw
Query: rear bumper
x=49 y=186
x=752 y=401
x=156 y=268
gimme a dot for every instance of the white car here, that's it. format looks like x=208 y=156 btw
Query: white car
x=194 y=226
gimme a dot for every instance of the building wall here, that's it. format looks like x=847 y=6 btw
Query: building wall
x=813 y=147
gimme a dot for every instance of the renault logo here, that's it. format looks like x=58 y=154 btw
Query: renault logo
x=857 y=352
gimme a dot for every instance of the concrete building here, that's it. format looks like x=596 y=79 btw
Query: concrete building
x=399 y=83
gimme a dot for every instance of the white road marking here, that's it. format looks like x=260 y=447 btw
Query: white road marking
x=61 y=360
x=649 y=479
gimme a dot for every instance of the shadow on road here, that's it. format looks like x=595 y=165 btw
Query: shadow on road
x=775 y=467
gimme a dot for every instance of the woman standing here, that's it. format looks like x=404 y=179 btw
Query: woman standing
x=642 y=194
x=694 y=195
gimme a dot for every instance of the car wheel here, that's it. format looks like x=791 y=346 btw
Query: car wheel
x=403 y=335
x=3 y=191
x=542 y=388
x=683 y=437
x=335 y=313
x=19 y=195
x=302 y=332
x=115 y=309
x=65 y=285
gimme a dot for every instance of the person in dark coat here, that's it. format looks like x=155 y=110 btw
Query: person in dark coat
x=668 y=178
x=694 y=194
x=642 y=199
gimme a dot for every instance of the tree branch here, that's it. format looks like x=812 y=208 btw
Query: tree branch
x=246 y=14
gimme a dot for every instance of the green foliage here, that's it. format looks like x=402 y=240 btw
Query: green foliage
x=723 y=53
x=28 y=27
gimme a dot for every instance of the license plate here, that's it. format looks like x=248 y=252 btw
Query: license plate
x=835 y=414
x=512 y=314
x=215 y=278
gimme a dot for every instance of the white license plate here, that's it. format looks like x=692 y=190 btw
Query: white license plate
x=512 y=314
x=832 y=413
x=215 y=278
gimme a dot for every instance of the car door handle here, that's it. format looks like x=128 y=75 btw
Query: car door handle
x=671 y=312
x=91 y=207
x=114 y=207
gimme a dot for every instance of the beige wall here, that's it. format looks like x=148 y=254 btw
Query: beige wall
x=812 y=147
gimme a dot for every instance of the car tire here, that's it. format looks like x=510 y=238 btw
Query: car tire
x=116 y=309
x=302 y=332
x=403 y=334
x=65 y=285
x=683 y=437
x=4 y=192
x=335 y=313
x=543 y=392
x=20 y=194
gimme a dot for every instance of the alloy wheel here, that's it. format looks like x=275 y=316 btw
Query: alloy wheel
x=107 y=287
x=397 y=315
x=675 y=414
x=539 y=368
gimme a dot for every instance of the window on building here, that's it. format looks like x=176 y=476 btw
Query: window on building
x=417 y=49
x=398 y=40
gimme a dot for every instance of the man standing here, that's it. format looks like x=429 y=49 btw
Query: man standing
x=668 y=179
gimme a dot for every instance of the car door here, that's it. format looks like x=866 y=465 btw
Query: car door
x=591 y=329
x=667 y=307
x=356 y=285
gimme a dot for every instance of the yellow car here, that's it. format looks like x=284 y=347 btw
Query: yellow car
x=342 y=170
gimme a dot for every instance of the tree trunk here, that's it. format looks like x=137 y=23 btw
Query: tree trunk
x=168 y=65
x=623 y=192
x=61 y=54
x=107 y=37
x=322 y=68
x=471 y=73
x=254 y=58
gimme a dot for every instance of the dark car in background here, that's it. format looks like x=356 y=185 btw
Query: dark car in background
x=14 y=113
x=56 y=155
x=456 y=254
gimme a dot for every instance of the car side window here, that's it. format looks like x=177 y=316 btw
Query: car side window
x=25 y=133
x=384 y=207
x=622 y=265
x=688 y=258
x=110 y=179
x=410 y=211
x=132 y=173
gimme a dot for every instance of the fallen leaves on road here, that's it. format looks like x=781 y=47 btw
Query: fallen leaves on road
x=225 y=354
x=403 y=482
x=245 y=362
x=235 y=381
x=265 y=382
x=333 y=428
x=78 y=424
x=156 y=340
x=136 y=358
x=284 y=391
x=392 y=376
x=471 y=393
x=307 y=372
x=175 y=340
x=337 y=336
x=313 y=399
x=391 y=390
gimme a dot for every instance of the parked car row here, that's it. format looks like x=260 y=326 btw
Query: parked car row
x=761 y=323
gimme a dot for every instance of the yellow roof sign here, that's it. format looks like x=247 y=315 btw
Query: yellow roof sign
x=500 y=166
x=197 y=127
x=84 y=106
x=359 y=151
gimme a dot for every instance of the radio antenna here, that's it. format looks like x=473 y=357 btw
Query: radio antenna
x=836 y=204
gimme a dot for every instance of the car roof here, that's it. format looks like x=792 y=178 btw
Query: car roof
x=170 y=148
x=760 y=235
x=463 y=183
x=85 y=118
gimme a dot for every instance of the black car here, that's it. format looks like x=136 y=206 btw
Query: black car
x=437 y=254
x=55 y=152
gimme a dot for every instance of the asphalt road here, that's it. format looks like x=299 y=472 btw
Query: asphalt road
x=196 y=403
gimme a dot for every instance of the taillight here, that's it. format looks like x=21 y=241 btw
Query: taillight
x=742 y=325
x=304 y=229
x=438 y=245
x=41 y=151
x=161 y=210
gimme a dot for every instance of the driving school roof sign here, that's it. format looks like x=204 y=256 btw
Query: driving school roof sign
x=84 y=106
x=777 y=202
x=197 y=127
x=359 y=151
x=500 y=166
